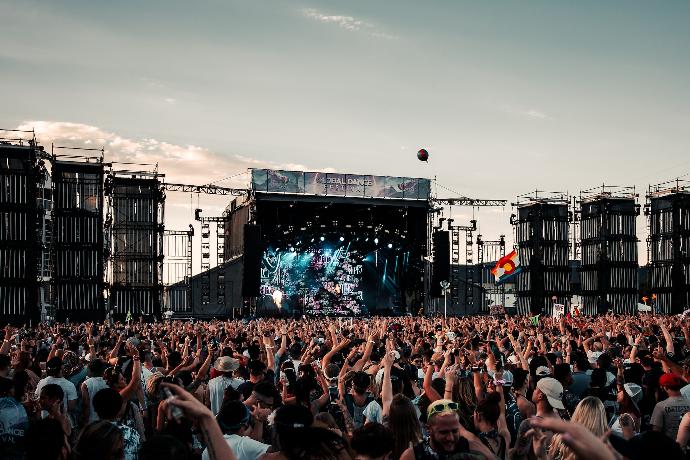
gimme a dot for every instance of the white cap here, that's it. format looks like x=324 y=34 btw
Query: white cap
x=543 y=371
x=594 y=355
x=553 y=390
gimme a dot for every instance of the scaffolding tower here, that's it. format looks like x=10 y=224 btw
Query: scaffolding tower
x=488 y=253
x=608 y=244
x=21 y=176
x=77 y=236
x=137 y=204
x=541 y=234
x=668 y=245
x=177 y=270
x=467 y=285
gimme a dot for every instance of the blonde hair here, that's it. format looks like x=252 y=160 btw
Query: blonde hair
x=591 y=414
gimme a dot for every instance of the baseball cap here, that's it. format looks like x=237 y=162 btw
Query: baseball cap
x=543 y=371
x=54 y=363
x=634 y=391
x=671 y=380
x=593 y=356
x=553 y=390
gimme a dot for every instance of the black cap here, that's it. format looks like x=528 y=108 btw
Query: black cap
x=54 y=363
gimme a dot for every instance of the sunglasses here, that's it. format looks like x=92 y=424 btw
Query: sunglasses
x=445 y=407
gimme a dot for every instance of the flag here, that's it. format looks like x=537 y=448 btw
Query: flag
x=534 y=320
x=507 y=267
x=129 y=316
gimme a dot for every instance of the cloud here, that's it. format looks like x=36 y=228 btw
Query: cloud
x=348 y=23
x=535 y=114
x=180 y=163
x=187 y=164
x=170 y=100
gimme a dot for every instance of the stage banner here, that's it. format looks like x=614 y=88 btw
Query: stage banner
x=335 y=184
x=272 y=181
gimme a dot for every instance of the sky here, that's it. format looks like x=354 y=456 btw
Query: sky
x=507 y=96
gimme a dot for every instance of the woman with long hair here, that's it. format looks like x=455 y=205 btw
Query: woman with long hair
x=398 y=412
x=463 y=393
x=403 y=420
x=589 y=413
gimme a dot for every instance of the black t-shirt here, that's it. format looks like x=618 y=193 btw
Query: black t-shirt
x=423 y=450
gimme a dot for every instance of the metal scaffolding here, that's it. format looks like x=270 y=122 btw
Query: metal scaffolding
x=541 y=234
x=488 y=253
x=137 y=207
x=177 y=270
x=219 y=223
x=21 y=176
x=77 y=237
x=608 y=244
x=668 y=212
x=455 y=279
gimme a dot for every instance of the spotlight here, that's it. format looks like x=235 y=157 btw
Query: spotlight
x=342 y=238
x=390 y=245
x=376 y=241
x=322 y=238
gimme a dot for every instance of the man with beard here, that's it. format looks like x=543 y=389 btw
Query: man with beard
x=447 y=437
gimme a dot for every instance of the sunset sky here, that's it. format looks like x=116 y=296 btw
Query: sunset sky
x=507 y=96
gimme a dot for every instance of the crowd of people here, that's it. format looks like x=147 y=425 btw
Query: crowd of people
x=608 y=387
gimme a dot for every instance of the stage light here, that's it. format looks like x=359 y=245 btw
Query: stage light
x=366 y=239
x=342 y=238
x=292 y=249
x=322 y=238
x=312 y=240
x=390 y=245
x=376 y=241
x=278 y=298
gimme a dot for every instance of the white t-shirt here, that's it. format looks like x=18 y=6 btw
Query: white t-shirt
x=373 y=412
x=216 y=390
x=94 y=385
x=68 y=388
x=244 y=447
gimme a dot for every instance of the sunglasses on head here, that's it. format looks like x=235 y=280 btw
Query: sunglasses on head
x=445 y=407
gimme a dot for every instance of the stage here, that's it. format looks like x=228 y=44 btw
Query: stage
x=331 y=244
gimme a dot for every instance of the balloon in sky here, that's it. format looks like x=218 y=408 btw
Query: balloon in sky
x=423 y=155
